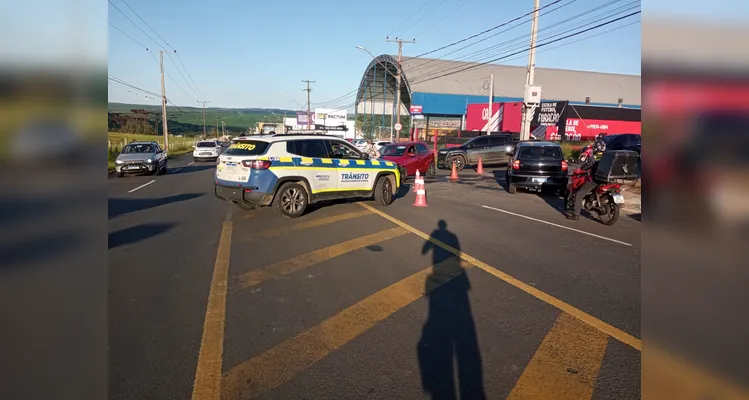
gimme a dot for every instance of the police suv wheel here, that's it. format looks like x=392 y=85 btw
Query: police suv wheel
x=291 y=200
x=383 y=193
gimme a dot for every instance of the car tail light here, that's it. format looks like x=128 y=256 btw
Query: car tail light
x=516 y=164
x=564 y=165
x=256 y=164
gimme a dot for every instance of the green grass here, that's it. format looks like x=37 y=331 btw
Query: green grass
x=177 y=145
x=236 y=120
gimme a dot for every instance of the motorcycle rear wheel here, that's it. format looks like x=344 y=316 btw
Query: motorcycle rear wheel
x=612 y=216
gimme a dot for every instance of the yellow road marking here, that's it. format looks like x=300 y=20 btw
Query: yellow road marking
x=207 y=384
x=281 y=363
x=258 y=276
x=309 y=224
x=549 y=299
x=566 y=364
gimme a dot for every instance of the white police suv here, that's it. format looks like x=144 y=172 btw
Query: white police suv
x=291 y=171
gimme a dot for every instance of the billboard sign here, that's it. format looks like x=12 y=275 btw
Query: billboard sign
x=301 y=119
x=478 y=117
x=416 y=110
x=330 y=117
x=577 y=129
x=549 y=113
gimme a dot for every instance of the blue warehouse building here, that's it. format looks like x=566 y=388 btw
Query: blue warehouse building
x=443 y=88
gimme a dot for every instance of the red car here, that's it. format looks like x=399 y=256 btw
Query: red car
x=410 y=156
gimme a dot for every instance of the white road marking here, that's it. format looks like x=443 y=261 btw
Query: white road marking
x=175 y=170
x=557 y=225
x=141 y=186
x=191 y=163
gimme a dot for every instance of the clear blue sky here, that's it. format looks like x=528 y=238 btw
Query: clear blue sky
x=254 y=54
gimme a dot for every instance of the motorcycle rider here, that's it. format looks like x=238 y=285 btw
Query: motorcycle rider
x=586 y=168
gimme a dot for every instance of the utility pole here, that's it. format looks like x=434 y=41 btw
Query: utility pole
x=529 y=109
x=491 y=111
x=223 y=128
x=204 y=103
x=216 y=127
x=398 y=88
x=163 y=101
x=308 y=90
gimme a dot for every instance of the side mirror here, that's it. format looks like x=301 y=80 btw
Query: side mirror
x=193 y=147
x=365 y=156
x=509 y=150
x=412 y=154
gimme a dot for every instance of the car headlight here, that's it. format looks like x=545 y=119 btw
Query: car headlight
x=149 y=161
x=118 y=161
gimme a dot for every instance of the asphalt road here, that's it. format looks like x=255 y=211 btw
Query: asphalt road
x=482 y=294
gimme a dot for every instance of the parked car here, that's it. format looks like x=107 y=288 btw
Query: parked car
x=207 y=150
x=412 y=156
x=359 y=143
x=623 y=141
x=536 y=166
x=141 y=157
x=493 y=149
x=380 y=145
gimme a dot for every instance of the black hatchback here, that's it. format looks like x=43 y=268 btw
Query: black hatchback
x=536 y=166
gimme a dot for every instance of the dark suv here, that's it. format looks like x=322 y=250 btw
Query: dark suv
x=623 y=141
x=536 y=166
x=492 y=149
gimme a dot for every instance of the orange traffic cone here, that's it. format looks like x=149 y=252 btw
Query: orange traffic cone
x=418 y=181
x=421 y=193
x=480 y=168
x=454 y=173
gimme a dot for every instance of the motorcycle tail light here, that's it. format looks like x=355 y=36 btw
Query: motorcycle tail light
x=564 y=165
x=516 y=164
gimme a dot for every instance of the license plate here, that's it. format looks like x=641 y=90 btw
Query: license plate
x=205 y=154
x=130 y=167
x=618 y=198
x=231 y=168
x=539 y=180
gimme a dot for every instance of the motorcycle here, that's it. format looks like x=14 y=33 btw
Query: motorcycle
x=604 y=201
x=584 y=153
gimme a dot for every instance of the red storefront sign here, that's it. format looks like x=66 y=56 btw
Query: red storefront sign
x=416 y=110
x=577 y=129
x=477 y=117
x=506 y=117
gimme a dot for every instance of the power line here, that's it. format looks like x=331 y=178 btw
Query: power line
x=409 y=18
x=429 y=28
x=536 y=46
x=188 y=73
x=128 y=36
x=122 y=82
x=146 y=23
x=486 y=31
x=193 y=87
x=171 y=78
x=513 y=43
x=132 y=22
x=424 y=16
x=497 y=34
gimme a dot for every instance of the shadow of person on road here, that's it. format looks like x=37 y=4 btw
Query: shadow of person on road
x=449 y=334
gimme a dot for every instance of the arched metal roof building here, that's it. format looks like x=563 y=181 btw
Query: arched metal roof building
x=444 y=88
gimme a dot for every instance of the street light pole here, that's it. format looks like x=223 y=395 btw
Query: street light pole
x=398 y=78
x=529 y=109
